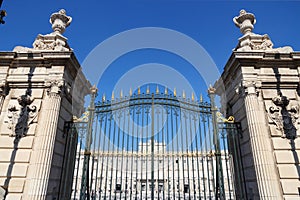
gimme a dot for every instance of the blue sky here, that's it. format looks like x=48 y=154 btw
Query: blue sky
x=207 y=22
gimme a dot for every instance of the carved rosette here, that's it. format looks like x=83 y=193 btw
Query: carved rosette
x=284 y=116
x=55 y=87
x=20 y=118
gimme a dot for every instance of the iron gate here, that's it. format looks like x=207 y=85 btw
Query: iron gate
x=154 y=146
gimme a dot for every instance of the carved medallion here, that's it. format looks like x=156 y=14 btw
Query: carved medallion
x=285 y=117
x=21 y=117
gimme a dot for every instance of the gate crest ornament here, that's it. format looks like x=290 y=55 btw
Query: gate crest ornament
x=21 y=118
x=285 y=117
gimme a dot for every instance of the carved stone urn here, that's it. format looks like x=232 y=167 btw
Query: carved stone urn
x=60 y=21
x=245 y=22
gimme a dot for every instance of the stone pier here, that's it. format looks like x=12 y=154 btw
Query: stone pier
x=260 y=88
x=36 y=100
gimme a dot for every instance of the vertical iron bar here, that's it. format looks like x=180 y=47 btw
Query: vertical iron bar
x=117 y=153
x=137 y=156
x=192 y=152
x=178 y=151
x=87 y=153
x=173 y=152
x=187 y=152
x=164 y=148
x=219 y=190
x=152 y=148
x=78 y=162
x=197 y=153
x=226 y=155
x=182 y=115
x=112 y=157
x=102 y=155
x=98 y=150
x=147 y=150
x=142 y=154
x=123 y=145
x=127 y=153
x=132 y=151
x=107 y=153
x=168 y=150
x=158 y=152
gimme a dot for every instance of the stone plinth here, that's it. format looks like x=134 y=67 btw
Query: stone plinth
x=261 y=90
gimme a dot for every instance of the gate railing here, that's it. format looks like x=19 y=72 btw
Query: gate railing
x=156 y=146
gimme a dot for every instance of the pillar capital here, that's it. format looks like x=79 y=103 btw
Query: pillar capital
x=55 y=86
x=249 y=87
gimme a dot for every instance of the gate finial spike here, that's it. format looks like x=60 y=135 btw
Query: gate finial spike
x=157 y=89
x=103 y=97
x=130 y=92
x=113 y=96
x=148 y=90
x=166 y=91
x=193 y=96
x=139 y=90
x=121 y=94
x=183 y=94
x=174 y=92
x=201 y=98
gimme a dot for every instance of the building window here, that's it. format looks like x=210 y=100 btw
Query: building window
x=118 y=187
x=186 y=188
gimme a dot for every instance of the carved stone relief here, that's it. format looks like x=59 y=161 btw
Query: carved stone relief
x=284 y=116
x=21 y=117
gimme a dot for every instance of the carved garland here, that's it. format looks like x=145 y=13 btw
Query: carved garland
x=285 y=117
x=21 y=118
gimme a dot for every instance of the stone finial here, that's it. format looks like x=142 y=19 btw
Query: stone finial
x=60 y=21
x=245 y=22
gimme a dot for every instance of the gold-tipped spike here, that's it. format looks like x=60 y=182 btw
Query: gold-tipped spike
x=174 y=92
x=166 y=91
x=148 y=90
x=139 y=90
x=121 y=94
x=193 y=96
x=103 y=97
x=130 y=92
x=201 y=98
x=183 y=94
x=113 y=96
x=157 y=89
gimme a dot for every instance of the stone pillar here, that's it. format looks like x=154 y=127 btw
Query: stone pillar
x=47 y=129
x=264 y=162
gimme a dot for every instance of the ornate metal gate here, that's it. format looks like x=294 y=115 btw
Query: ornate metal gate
x=154 y=146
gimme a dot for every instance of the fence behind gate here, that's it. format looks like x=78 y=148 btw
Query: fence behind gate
x=153 y=146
